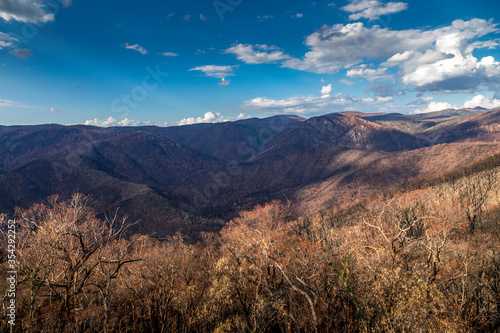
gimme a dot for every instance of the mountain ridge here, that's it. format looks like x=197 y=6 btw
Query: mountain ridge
x=190 y=177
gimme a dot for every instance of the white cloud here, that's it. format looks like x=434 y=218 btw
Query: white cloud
x=210 y=117
x=4 y=44
x=6 y=40
x=438 y=60
x=318 y=105
x=298 y=15
x=112 y=122
x=326 y=91
x=169 y=54
x=449 y=65
x=216 y=71
x=102 y=123
x=224 y=82
x=291 y=105
x=384 y=99
x=257 y=54
x=34 y=11
x=372 y=9
x=397 y=58
x=265 y=17
x=438 y=106
x=362 y=71
x=343 y=46
x=135 y=47
x=481 y=101
x=432 y=105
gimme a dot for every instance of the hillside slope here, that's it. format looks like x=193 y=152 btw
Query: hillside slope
x=336 y=130
x=194 y=177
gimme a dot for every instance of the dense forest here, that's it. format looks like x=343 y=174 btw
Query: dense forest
x=424 y=257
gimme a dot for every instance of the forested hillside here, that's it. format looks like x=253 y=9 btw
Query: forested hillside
x=424 y=257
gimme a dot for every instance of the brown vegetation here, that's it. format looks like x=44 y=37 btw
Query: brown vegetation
x=424 y=259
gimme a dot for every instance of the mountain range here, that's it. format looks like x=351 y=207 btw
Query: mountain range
x=195 y=177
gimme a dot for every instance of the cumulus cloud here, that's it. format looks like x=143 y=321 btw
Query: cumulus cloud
x=216 y=71
x=326 y=91
x=435 y=106
x=112 y=122
x=428 y=104
x=481 y=101
x=344 y=46
x=21 y=53
x=372 y=9
x=318 y=105
x=449 y=65
x=210 y=117
x=34 y=11
x=362 y=71
x=224 y=82
x=437 y=60
x=298 y=15
x=135 y=47
x=398 y=58
x=257 y=54
x=169 y=54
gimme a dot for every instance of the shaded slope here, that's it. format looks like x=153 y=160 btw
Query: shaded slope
x=148 y=159
x=376 y=173
x=483 y=127
x=20 y=145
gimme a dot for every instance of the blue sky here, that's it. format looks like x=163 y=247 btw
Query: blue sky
x=167 y=62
